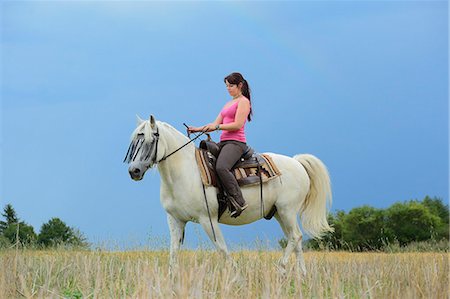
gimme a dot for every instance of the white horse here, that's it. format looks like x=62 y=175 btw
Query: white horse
x=303 y=189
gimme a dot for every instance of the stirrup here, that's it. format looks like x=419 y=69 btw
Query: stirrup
x=236 y=213
x=233 y=203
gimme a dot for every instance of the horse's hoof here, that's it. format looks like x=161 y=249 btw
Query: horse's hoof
x=301 y=272
x=282 y=270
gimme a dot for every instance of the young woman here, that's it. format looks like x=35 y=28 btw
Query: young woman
x=231 y=120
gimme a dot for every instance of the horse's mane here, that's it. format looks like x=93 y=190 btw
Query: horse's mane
x=145 y=128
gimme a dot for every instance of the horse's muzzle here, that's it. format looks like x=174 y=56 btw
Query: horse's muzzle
x=135 y=173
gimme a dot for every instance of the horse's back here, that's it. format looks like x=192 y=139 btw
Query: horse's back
x=288 y=166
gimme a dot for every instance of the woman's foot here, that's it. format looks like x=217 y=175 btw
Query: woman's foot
x=238 y=210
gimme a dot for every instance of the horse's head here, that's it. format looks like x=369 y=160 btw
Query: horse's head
x=143 y=151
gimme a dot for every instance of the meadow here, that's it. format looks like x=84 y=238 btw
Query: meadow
x=61 y=273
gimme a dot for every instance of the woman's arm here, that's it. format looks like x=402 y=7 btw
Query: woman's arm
x=241 y=114
x=209 y=127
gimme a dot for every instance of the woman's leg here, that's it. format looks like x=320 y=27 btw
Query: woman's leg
x=230 y=153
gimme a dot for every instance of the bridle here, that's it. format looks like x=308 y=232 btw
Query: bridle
x=136 y=146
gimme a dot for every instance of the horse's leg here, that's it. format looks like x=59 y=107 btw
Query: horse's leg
x=289 y=224
x=220 y=244
x=176 y=228
x=216 y=237
x=299 y=254
x=285 y=250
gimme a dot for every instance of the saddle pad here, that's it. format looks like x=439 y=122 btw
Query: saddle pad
x=206 y=167
x=245 y=176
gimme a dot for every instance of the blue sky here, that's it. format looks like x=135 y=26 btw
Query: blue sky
x=361 y=85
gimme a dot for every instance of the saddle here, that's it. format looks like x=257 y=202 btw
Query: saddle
x=245 y=170
x=251 y=169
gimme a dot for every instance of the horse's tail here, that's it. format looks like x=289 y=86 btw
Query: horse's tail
x=313 y=212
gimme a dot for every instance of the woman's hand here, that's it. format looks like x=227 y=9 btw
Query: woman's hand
x=194 y=129
x=205 y=128
x=209 y=128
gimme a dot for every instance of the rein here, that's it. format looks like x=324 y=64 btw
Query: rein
x=190 y=140
x=136 y=146
x=203 y=186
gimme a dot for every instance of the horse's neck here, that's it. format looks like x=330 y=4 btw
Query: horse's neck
x=176 y=167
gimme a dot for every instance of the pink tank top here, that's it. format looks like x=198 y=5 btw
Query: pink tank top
x=228 y=115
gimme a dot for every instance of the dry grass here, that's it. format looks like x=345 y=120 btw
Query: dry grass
x=202 y=274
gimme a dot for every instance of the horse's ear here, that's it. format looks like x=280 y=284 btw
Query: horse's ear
x=152 y=121
x=139 y=120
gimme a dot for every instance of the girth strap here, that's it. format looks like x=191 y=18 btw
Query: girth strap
x=260 y=188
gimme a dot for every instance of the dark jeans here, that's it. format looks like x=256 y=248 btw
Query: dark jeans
x=230 y=152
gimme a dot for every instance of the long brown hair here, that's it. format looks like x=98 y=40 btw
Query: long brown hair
x=236 y=78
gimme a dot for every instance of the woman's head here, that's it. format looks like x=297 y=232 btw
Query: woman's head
x=236 y=81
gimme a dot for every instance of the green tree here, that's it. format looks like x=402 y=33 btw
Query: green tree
x=10 y=216
x=364 y=228
x=4 y=242
x=438 y=208
x=55 y=232
x=337 y=239
x=411 y=221
x=23 y=231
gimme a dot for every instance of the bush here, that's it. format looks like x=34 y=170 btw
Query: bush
x=4 y=242
x=55 y=232
x=23 y=231
x=423 y=224
x=411 y=222
x=424 y=246
x=364 y=228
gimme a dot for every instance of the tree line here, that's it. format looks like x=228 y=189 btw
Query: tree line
x=361 y=229
x=403 y=223
x=14 y=232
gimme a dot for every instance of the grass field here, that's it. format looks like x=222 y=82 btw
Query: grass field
x=203 y=274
